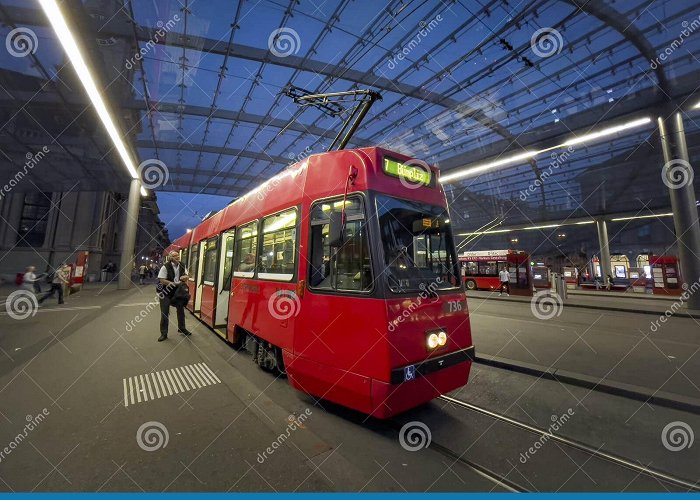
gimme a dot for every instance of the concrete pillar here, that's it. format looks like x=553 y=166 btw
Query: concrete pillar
x=677 y=174
x=605 y=266
x=129 y=235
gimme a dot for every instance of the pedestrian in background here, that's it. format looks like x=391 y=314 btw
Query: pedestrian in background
x=30 y=281
x=142 y=273
x=504 y=277
x=60 y=279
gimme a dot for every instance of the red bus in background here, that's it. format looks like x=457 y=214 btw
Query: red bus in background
x=341 y=272
x=480 y=270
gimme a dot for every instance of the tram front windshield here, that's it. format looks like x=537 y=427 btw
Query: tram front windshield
x=418 y=248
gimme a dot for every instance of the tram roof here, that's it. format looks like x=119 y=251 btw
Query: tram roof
x=197 y=85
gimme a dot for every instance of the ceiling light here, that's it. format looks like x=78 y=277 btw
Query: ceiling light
x=65 y=36
x=468 y=172
x=541 y=227
x=697 y=106
x=488 y=166
x=607 y=131
x=642 y=217
x=479 y=233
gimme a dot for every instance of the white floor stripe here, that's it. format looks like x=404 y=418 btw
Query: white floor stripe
x=211 y=372
x=176 y=381
x=193 y=376
x=168 y=381
x=205 y=377
x=140 y=388
x=185 y=379
x=148 y=384
x=155 y=385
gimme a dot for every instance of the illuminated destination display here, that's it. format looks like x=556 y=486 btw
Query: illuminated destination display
x=410 y=173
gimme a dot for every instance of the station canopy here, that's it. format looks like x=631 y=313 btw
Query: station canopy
x=198 y=85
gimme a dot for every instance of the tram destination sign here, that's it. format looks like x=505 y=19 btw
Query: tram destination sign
x=411 y=173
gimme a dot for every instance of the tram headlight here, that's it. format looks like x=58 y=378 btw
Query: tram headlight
x=436 y=339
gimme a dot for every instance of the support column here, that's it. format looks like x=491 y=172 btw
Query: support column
x=126 y=265
x=677 y=174
x=605 y=267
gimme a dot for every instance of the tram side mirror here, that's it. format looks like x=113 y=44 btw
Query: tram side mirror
x=335 y=229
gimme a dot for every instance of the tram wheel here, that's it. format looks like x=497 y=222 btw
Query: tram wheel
x=471 y=285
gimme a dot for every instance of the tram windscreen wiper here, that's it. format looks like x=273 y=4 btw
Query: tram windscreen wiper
x=418 y=249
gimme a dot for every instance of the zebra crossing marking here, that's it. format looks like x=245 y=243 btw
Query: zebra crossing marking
x=154 y=385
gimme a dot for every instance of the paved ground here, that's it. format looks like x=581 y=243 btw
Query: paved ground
x=624 y=347
x=210 y=415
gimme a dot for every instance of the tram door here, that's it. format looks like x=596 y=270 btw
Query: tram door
x=200 y=278
x=224 y=281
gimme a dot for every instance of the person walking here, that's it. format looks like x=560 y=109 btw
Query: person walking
x=60 y=279
x=30 y=281
x=142 y=273
x=504 y=277
x=170 y=276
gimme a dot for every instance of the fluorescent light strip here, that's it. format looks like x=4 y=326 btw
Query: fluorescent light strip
x=468 y=172
x=670 y=214
x=697 y=106
x=65 y=36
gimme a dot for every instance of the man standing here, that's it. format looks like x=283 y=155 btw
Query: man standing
x=504 y=277
x=142 y=273
x=169 y=277
x=60 y=279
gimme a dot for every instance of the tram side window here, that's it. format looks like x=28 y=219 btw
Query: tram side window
x=192 y=268
x=185 y=256
x=228 y=261
x=488 y=268
x=209 y=272
x=279 y=246
x=472 y=268
x=346 y=268
x=246 y=250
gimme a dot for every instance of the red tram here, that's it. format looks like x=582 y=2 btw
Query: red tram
x=341 y=272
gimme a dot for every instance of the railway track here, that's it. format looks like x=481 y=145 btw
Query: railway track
x=611 y=458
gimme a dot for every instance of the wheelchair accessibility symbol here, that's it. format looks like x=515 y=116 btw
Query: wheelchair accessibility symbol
x=409 y=373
